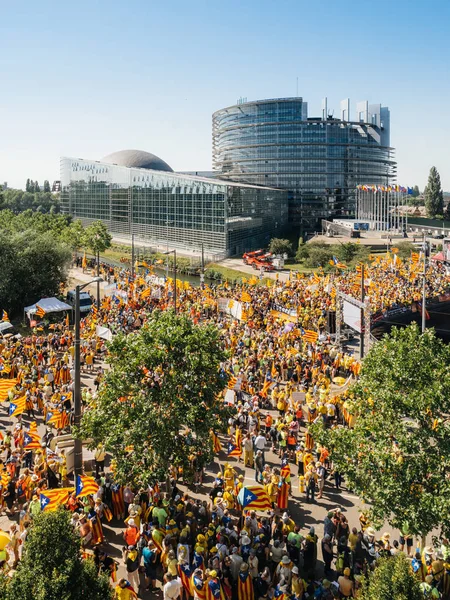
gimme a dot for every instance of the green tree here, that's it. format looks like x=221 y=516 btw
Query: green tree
x=434 y=198
x=397 y=456
x=36 y=187
x=160 y=397
x=76 y=236
x=28 y=185
x=392 y=579
x=98 y=237
x=46 y=186
x=52 y=567
x=405 y=249
x=346 y=251
x=32 y=266
x=416 y=191
x=280 y=246
x=319 y=255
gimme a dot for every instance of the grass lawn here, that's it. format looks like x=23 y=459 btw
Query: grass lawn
x=228 y=273
x=300 y=268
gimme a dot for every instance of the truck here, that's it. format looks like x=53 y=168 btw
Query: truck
x=85 y=301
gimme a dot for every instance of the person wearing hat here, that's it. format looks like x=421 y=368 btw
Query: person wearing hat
x=298 y=585
x=131 y=535
x=345 y=584
x=283 y=572
x=385 y=544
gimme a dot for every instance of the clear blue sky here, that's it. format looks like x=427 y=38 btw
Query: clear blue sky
x=88 y=78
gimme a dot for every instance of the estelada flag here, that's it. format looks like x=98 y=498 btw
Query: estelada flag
x=31 y=440
x=117 y=500
x=145 y=293
x=235 y=449
x=17 y=407
x=245 y=586
x=51 y=499
x=254 y=497
x=5 y=316
x=5 y=386
x=86 y=485
x=217 y=446
x=184 y=571
x=283 y=496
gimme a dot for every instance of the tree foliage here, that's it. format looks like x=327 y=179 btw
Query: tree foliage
x=280 y=246
x=52 y=567
x=392 y=579
x=32 y=266
x=434 y=197
x=18 y=201
x=405 y=249
x=160 y=398
x=397 y=456
x=98 y=237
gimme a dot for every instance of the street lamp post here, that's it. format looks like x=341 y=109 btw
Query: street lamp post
x=424 y=282
x=174 y=252
x=78 y=448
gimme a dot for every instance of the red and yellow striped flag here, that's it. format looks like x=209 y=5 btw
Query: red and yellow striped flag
x=217 y=446
x=5 y=386
x=86 y=486
x=17 y=407
x=5 y=316
x=245 y=297
x=310 y=336
x=145 y=293
x=40 y=312
x=51 y=499
x=254 y=497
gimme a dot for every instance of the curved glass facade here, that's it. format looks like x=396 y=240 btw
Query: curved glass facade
x=320 y=161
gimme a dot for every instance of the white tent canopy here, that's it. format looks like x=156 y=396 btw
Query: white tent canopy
x=50 y=305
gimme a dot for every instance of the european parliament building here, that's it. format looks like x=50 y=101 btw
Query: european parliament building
x=318 y=160
x=136 y=192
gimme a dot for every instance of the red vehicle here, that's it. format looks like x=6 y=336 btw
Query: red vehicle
x=262 y=264
x=249 y=256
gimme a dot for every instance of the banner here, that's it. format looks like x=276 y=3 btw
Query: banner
x=352 y=316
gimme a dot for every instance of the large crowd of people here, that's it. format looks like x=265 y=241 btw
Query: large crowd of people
x=196 y=540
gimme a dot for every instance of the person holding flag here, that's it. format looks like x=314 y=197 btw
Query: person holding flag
x=245 y=583
x=124 y=591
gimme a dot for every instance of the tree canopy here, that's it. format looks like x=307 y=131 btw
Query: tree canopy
x=52 y=567
x=98 y=237
x=160 y=398
x=434 y=197
x=397 y=455
x=18 y=201
x=392 y=579
x=32 y=266
x=280 y=246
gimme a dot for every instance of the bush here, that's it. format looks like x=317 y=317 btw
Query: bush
x=280 y=246
x=392 y=579
x=405 y=249
x=318 y=255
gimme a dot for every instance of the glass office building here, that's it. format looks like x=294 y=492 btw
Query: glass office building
x=167 y=209
x=319 y=160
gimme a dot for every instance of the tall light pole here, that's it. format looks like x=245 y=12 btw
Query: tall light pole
x=424 y=312
x=78 y=448
x=202 y=272
x=174 y=252
x=167 y=249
